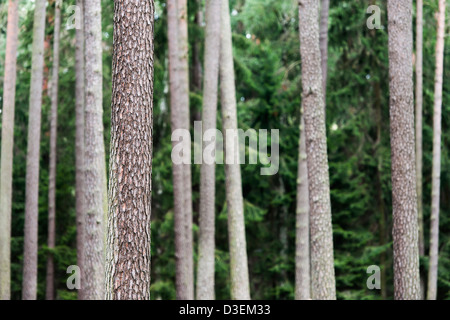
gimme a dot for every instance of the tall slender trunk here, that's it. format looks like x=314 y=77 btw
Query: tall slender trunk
x=206 y=246
x=50 y=280
x=94 y=269
x=183 y=71
x=198 y=70
x=240 y=287
x=323 y=38
x=79 y=143
x=321 y=231
x=177 y=122
x=404 y=193
x=9 y=94
x=419 y=149
x=128 y=254
x=436 y=172
x=29 y=284
x=302 y=260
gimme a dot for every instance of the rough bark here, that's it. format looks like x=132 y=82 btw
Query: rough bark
x=206 y=246
x=79 y=143
x=183 y=71
x=240 y=287
x=323 y=38
x=29 y=284
x=94 y=264
x=302 y=261
x=321 y=231
x=50 y=279
x=177 y=122
x=9 y=94
x=436 y=171
x=128 y=254
x=404 y=193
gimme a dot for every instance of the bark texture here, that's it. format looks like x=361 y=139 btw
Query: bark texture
x=29 y=284
x=79 y=143
x=50 y=279
x=302 y=261
x=321 y=231
x=6 y=166
x=94 y=257
x=206 y=245
x=240 y=287
x=404 y=193
x=128 y=254
x=436 y=171
x=323 y=31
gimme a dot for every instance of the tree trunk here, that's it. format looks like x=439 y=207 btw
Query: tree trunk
x=50 y=280
x=324 y=12
x=183 y=71
x=240 y=287
x=436 y=172
x=29 y=284
x=321 y=231
x=79 y=143
x=404 y=193
x=198 y=70
x=94 y=269
x=206 y=246
x=9 y=94
x=302 y=261
x=128 y=254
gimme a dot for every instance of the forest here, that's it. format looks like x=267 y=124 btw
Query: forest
x=224 y=149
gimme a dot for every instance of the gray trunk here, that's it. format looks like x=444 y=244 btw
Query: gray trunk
x=206 y=246
x=9 y=94
x=50 y=279
x=404 y=193
x=94 y=269
x=321 y=232
x=29 y=284
x=240 y=287
x=436 y=172
x=324 y=12
x=128 y=253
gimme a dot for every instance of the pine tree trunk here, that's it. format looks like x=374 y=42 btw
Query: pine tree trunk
x=206 y=246
x=324 y=12
x=94 y=264
x=404 y=193
x=436 y=171
x=29 y=284
x=50 y=280
x=183 y=71
x=321 y=232
x=302 y=261
x=79 y=143
x=128 y=254
x=9 y=94
x=177 y=122
x=240 y=287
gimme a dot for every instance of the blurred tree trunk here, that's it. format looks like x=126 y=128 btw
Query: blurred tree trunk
x=324 y=12
x=29 y=284
x=95 y=170
x=79 y=142
x=128 y=266
x=198 y=70
x=183 y=71
x=436 y=172
x=404 y=193
x=50 y=279
x=177 y=122
x=302 y=261
x=419 y=148
x=240 y=287
x=206 y=246
x=321 y=231
x=9 y=94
